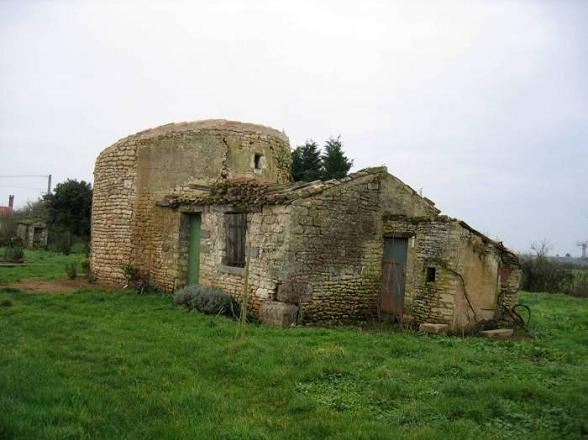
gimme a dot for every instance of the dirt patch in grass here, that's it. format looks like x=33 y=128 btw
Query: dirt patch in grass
x=37 y=285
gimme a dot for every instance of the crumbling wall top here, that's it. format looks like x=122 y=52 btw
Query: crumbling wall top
x=206 y=124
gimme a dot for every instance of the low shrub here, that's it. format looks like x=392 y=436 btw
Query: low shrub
x=79 y=247
x=65 y=242
x=135 y=280
x=10 y=241
x=578 y=284
x=13 y=254
x=209 y=300
x=60 y=242
x=541 y=274
x=85 y=265
x=8 y=226
x=71 y=270
x=183 y=297
x=147 y=285
x=5 y=303
x=131 y=273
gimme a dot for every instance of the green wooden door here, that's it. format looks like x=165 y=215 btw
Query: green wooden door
x=194 y=250
x=394 y=276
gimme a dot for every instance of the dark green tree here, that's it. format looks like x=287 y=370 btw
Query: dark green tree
x=69 y=207
x=335 y=164
x=297 y=167
x=306 y=162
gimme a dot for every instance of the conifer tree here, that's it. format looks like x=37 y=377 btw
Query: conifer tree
x=335 y=164
x=306 y=162
x=297 y=167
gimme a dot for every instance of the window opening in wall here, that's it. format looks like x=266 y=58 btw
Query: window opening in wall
x=257 y=159
x=431 y=272
x=235 y=230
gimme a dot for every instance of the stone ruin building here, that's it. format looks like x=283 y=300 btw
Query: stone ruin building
x=193 y=203
x=33 y=234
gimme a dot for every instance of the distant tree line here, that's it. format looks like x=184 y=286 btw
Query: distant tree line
x=310 y=163
x=66 y=211
x=542 y=273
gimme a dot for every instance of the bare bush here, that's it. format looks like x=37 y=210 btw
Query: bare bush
x=543 y=274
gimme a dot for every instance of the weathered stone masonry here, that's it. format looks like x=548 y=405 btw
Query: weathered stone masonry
x=316 y=249
x=476 y=278
x=319 y=246
x=134 y=173
x=113 y=202
x=336 y=245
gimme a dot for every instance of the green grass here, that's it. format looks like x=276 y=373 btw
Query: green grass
x=39 y=264
x=109 y=365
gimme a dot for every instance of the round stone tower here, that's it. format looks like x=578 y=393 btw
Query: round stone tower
x=131 y=175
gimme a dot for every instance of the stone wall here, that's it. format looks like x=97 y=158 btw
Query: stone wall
x=321 y=251
x=135 y=172
x=399 y=198
x=474 y=278
x=113 y=201
x=334 y=253
x=336 y=246
x=318 y=246
x=266 y=238
x=510 y=279
x=33 y=235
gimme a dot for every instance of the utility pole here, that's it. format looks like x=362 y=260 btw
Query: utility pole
x=49 y=184
x=583 y=245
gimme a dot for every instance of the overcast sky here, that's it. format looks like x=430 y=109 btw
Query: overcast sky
x=482 y=104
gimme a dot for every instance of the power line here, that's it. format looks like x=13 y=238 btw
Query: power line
x=45 y=176
x=30 y=175
x=22 y=187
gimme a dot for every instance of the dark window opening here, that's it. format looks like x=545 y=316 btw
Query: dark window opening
x=235 y=229
x=257 y=161
x=431 y=272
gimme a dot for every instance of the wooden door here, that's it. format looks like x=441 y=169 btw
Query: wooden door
x=194 y=250
x=393 y=276
x=235 y=230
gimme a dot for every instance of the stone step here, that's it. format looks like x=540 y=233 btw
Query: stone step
x=436 y=329
x=278 y=314
x=499 y=333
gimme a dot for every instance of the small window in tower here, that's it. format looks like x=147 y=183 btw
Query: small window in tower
x=258 y=161
x=431 y=272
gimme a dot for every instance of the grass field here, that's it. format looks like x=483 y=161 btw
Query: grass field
x=99 y=364
x=40 y=264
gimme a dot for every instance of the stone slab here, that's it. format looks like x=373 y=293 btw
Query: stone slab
x=436 y=329
x=278 y=314
x=499 y=333
x=222 y=268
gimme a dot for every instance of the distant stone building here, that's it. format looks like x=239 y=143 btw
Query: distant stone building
x=32 y=234
x=193 y=202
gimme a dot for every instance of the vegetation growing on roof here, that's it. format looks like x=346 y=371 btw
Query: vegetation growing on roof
x=248 y=193
x=390 y=216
